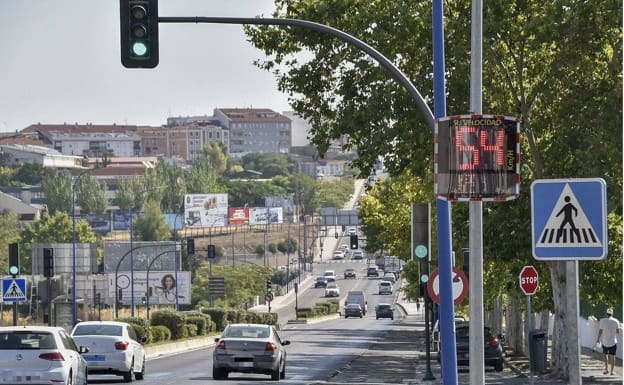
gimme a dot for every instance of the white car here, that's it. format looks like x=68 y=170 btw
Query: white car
x=114 y=348
x=338 y=255
x=40 y=355
x=330 y=275
x=332 y=290
x=385 y=287
x=352 y=231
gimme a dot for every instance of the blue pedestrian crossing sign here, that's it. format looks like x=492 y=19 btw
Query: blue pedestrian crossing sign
x=569 y=219
x=13 y=289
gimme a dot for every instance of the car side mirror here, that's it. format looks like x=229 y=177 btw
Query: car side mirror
x=83 y=349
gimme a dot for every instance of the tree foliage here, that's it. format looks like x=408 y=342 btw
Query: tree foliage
x=57 y=189
x=556 y=65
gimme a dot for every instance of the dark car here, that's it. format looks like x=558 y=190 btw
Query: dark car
x=320 y=282
x=493 y=350
x=384 y=310
x=353 y=310
x=372 y=272
x=349 y=273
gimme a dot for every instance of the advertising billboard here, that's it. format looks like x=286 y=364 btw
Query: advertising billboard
x=162 y=286
x=155 y=255
x=264 y=215
x=205 y=210
x=238 y=216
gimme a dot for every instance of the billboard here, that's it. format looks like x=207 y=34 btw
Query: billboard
x=205 y=210
x=238 y=215
x=264 y=215
x=162 y=286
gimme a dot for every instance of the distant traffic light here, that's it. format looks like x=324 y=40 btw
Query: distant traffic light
x=14 y=260
x=212 y=251
x=48 y=262
x=269 y=286
x=190 y=246
x=353 y=238
x=421 y=229
x=139 y=33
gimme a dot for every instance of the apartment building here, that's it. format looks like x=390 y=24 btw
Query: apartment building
x=255 y=130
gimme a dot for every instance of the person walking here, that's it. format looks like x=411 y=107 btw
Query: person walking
x=608 y=338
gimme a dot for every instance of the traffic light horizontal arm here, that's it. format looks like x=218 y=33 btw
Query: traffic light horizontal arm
x=387 y=64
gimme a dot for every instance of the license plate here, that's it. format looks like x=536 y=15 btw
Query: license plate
x=245 y=364
x=93 y=358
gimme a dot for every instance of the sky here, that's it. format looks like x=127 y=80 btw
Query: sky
x=60 y=63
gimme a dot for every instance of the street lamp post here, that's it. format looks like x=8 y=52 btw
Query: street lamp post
x=74 y=296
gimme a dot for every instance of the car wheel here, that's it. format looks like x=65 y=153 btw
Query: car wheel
x=498 y=367
x=127 y=376
x=346 y=316
x=275 y=374
x=360 y=316
x=283 y=372
x=70 y=378
x=140 y=375
x=376 y=317
x=219 y=373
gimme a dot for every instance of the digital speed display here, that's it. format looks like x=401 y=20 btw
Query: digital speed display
x=477 y=157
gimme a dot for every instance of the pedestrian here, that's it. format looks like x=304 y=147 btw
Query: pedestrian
x=418 y=304
x=608 y=337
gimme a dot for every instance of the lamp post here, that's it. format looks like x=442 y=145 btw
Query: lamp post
x=74 y=297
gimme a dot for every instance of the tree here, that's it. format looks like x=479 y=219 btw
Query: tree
x=151 y=226
x=28 y=173
x=559 y=73
x=57 y=188
x=91 y=195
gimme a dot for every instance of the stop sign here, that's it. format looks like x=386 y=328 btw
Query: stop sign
x=528 y=280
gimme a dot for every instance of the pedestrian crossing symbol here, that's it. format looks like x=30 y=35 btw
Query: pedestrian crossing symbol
x=13 y=289
x=569 y=219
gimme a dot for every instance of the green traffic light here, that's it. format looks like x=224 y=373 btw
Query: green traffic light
x=424 y=278
x=139 y=48
x=421 y=251
x=13 y=270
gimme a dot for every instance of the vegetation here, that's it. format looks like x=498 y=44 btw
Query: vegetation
x=558 y=72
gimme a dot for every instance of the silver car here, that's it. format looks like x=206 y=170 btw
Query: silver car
x=249 y=348
x=40 y=355
x=114 y=348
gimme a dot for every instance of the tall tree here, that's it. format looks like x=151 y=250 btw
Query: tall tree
x=555 y=65
x=151 y=226
x=91 y=195
x=57 y=189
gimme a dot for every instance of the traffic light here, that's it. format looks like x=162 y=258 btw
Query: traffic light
x=14 y=260
x=353 y=241
x=190 y=246
x=421 y=223
x=143 y=300
x=269 y=286
x=212 y=251
x=138 y=20
x=48 y=262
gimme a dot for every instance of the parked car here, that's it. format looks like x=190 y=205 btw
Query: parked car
x=41 y=355
x=493 y=350
x=330 y=275
x=349 y=273
x=114 y=348
x=320 y=282
x=352 y=231
x=332 y=290
x=385 y=287
x=357 y=254
x=249 y=348
x=435 y=333
x=372 y=272
x=384 y=310
x=353 y=310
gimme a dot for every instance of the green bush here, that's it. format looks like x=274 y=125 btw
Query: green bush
x=159 y=333
x=140 y=326
x=172 y=320
x=200 y=321
x=218 y=316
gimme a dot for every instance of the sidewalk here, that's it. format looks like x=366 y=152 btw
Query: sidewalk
x=399 y=357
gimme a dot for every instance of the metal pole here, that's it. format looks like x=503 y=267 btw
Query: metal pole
x=132 y=265
x=528 y=322
x=74 y=297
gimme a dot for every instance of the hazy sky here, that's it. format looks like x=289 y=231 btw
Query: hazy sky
x=60 y=62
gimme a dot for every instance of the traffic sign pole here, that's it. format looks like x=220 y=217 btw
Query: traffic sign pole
x=529 y=281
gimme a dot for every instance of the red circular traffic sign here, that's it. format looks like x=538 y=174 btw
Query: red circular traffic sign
x=529 y=280
x=459 y=286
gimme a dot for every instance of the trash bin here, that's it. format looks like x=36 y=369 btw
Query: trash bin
x=538 y=345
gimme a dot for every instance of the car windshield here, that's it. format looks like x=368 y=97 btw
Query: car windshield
x=353 y=306
x=246 y=332
x=383 y=307
x=98 y=330
x=321 y=279
x=26 y=340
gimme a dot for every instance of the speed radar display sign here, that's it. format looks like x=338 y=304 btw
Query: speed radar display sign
x=477 y=158
x=529 y=280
